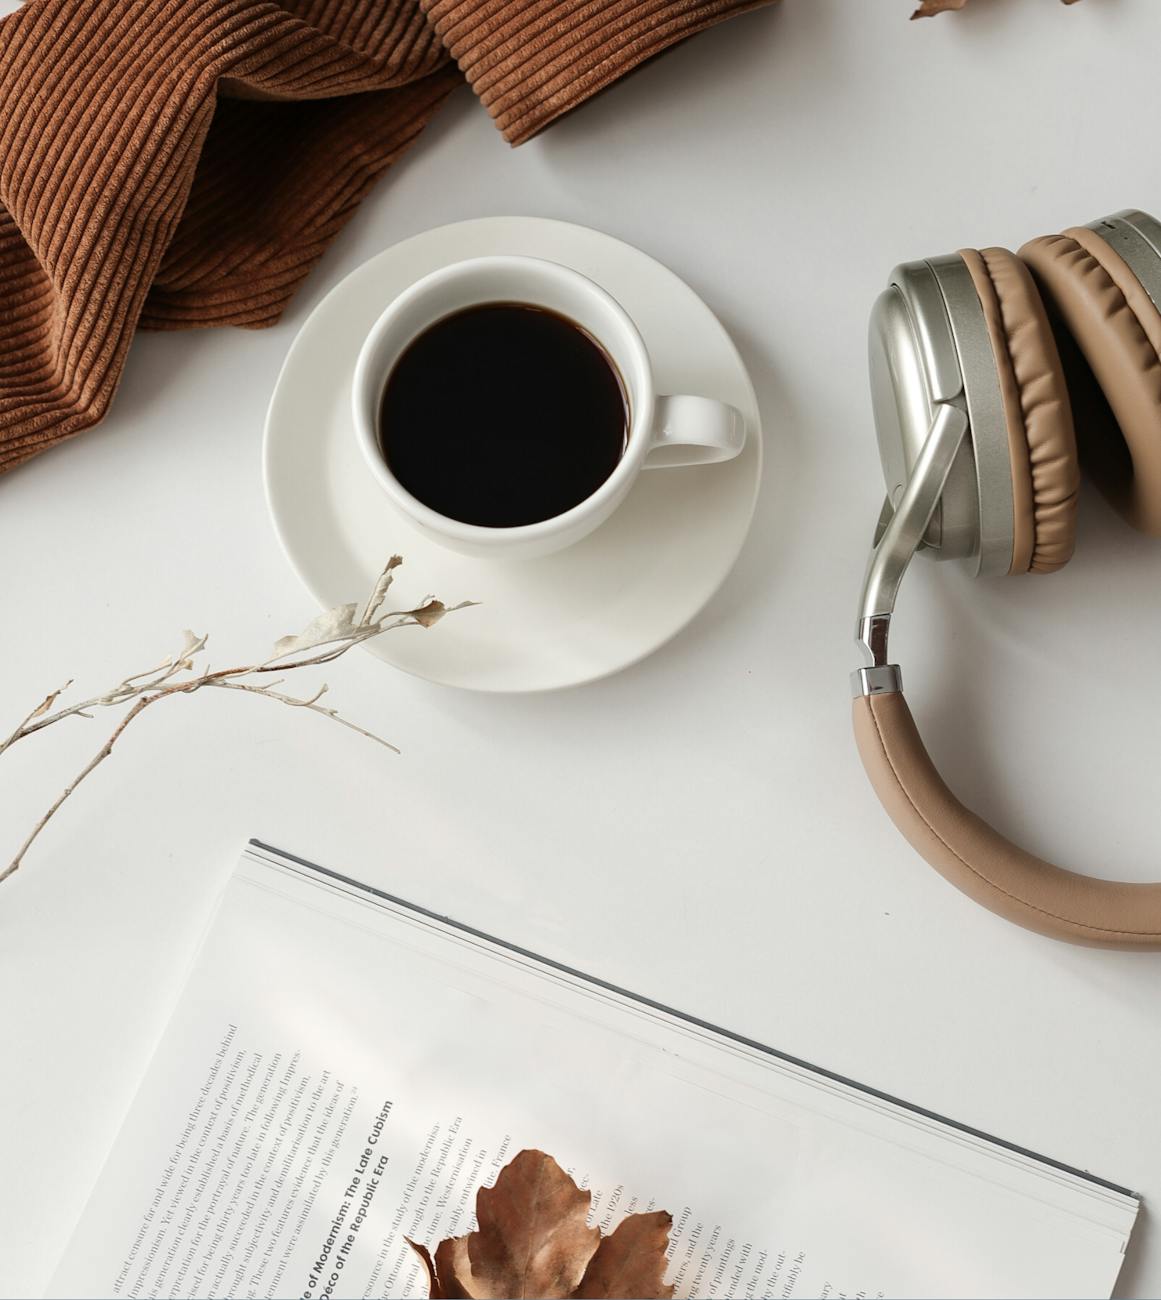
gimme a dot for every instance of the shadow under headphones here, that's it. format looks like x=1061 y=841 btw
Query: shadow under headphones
x=986 y=369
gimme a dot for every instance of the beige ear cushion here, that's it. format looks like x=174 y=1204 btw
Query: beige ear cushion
x=1118 y=329
x=1041 y=441
x=980 y=861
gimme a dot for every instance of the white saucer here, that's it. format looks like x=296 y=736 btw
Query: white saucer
x=545 y=623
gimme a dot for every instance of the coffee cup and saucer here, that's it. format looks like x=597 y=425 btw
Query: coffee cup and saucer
x=535 y=416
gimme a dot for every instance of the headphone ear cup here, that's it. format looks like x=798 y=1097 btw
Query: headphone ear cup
x=1037 y=411
x=1116 y=380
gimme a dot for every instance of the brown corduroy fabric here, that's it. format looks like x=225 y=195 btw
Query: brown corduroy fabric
x=179 y=163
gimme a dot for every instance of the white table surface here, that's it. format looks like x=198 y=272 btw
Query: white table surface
x=699 y=828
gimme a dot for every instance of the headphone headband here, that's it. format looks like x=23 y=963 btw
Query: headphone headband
x=975 y=436
x=978 y=859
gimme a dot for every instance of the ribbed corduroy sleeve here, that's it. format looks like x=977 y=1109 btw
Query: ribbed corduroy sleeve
x=532 y=60
x=178 y=163
x=117 y=177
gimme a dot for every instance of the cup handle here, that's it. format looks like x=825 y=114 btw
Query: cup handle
x=694 y=431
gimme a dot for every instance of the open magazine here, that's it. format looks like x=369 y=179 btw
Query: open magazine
x=343 y=1070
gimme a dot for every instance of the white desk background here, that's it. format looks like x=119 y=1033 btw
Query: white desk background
x=698 y=828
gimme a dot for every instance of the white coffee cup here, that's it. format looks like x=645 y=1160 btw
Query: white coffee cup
x=663 y=431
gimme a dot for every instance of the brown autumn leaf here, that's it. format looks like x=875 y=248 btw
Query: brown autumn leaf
x=929 y=8
x=433 y=1288
x=630 y=1261
x=453 y=1270
x=533 y=1240
x=533 y=1237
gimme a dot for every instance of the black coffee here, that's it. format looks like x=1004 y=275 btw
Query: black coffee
x=502 y=415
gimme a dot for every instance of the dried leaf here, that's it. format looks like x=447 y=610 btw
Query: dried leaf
x=454 y=1269
x=429 y=613
x=533 y=1237
x=49 y=700
x=631 y=1261
x=375 y=600
x=929 y=8
x=533 y=1240
x=192 y=644
x=335 y=625
x=434 y=1290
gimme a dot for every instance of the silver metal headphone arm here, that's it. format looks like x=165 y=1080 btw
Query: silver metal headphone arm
x=898 y=536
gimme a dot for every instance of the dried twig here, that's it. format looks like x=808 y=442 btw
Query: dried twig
x=322 y=641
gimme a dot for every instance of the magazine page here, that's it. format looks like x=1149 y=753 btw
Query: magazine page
x=343 y=1072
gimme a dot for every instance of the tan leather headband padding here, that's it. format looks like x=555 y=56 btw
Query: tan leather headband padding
x=1037 y=412
x=981 y=862
x=1118 y=328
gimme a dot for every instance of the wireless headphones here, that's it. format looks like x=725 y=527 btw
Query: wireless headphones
x=982 y=366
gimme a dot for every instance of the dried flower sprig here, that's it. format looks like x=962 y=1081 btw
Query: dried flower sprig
x=322 y=641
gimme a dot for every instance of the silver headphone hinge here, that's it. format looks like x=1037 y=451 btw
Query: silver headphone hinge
x=878 y=677
x=872 y=639
x=898 y=538
x=885 y=679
